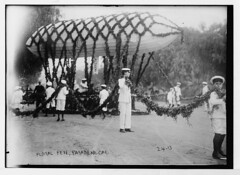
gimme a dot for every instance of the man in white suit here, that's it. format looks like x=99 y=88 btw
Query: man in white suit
x=178 y=94
x=124 y=100
x=103 y=95
x=205 y=89
x=61 y=99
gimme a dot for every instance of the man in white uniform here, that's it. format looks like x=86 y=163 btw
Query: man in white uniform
x=49 y=91
x=61 y=99
x=205 y=88
x=124 y=100
x=217 y=112
x=103 y=95
x=204 y=91
x=170 y=97
x=17 y=98
x=177 y=94
x=83 y=86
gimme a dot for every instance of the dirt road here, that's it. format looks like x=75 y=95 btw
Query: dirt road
x=156 y=140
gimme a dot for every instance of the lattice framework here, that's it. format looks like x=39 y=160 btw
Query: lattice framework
x=114 y=36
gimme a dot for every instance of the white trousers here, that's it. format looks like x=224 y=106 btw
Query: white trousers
x=51 y=103
x=219 y=125
x=178 y=100
x=125 y=115
x=61 y=105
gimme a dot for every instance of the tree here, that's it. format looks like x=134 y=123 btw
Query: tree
x=202 y=55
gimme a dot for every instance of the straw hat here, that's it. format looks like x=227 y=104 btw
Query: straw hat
x=103 y=85
x=17 y=88
x=125 y=69
x=217 y=79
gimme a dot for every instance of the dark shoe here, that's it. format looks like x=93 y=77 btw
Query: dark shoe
x=122 y=130
x=218 y=156
x=53 y=115
x=63 y=120
x=222 y=153
x=128 y=130
x=35 y=115
x=45 y=115
x=58 y=119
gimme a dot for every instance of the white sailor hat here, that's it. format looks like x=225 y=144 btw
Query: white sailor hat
x=217 y=79
x=63 y=82
x=17 y=88
x=205 y=83
x=103 y=85
x=84 y=79
x=49 y=83
x=178 y=83
x=125 y=69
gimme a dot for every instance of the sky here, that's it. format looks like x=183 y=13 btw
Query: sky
x=183 y=16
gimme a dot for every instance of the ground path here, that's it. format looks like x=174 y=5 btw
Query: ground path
x=156 y=140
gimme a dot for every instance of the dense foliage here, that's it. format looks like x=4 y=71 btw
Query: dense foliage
x=197 y=59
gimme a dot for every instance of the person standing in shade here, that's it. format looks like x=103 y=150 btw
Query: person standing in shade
x=83 y=86
x=125 y=102
x=40 y=94
x=51 y=105
x=170 y=98
x=17 y=98
x=54 y=84
x=61 y=99
x=177 y=94
x=103 y=95
x=205 y=89
x=217 y=113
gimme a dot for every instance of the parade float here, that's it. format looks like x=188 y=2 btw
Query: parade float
x=120 y=39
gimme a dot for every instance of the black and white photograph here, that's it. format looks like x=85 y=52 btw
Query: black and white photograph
x=119 y=86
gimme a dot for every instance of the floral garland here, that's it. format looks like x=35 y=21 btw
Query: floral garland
x=185 y=110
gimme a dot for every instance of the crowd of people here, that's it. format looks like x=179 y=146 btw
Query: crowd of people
x=40 y=95
x=215 y=107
